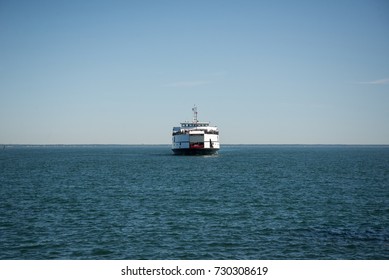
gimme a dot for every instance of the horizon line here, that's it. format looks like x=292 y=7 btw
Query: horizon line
x=167 y=144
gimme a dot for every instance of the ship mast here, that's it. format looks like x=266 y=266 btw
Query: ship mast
x=194 y=109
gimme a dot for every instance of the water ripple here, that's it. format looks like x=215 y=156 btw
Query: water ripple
x=249 y=202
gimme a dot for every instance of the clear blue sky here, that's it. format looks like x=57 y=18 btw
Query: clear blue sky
x=126 y=72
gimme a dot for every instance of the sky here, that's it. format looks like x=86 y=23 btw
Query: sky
x=126 y=72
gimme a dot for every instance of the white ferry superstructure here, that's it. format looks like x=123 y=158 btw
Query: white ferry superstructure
x=195 y=137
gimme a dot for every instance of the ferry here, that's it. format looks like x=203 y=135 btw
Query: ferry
x=195 y=137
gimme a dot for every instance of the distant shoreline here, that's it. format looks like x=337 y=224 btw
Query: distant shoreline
x=159 y=145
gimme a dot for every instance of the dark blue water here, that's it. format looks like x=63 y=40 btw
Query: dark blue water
x=141 y=202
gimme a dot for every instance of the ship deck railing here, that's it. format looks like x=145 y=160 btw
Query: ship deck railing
x=188 y=131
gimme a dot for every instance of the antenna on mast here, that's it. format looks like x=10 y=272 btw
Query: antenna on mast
x=194 y=109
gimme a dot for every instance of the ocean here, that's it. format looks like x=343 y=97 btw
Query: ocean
x=143 y=202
